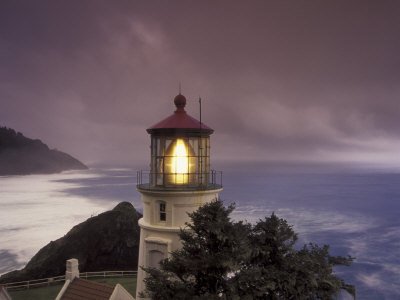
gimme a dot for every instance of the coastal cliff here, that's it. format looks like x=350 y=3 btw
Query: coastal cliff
x=109 y=241
x=20 y=155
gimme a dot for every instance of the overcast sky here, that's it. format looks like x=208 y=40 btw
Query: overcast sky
x=280 y=80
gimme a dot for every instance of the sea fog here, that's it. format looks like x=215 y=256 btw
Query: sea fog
x=355 y=212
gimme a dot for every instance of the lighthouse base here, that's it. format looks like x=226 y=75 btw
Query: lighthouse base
x=165 y=213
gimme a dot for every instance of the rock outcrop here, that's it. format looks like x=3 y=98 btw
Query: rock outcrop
x=109 y=241
x=20 y=155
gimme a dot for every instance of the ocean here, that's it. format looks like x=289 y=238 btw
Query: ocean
x=355 y=212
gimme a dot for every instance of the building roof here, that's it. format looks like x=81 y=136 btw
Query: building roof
x=180 y=120
x=81 y=289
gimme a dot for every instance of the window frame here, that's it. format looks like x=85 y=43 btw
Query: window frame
x=162 y=211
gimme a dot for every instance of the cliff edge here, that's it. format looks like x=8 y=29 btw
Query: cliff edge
x=109 y=241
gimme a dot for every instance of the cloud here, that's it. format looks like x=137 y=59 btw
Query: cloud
x=278 y=82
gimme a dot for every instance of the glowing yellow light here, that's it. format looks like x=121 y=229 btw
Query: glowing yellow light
x=180 y=164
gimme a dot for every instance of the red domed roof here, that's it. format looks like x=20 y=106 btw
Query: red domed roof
x=180 y=120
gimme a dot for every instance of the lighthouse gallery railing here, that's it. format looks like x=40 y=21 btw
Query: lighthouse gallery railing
x=144 y=181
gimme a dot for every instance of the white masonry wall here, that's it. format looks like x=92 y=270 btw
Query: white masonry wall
x=158 y=238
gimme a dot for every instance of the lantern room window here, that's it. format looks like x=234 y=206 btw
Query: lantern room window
x=180 y=161
x=163 y=211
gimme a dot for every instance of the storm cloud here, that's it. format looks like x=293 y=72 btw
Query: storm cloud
x=305 y=81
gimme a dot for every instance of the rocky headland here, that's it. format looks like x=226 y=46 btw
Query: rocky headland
x=109 y=241
x=20 y=155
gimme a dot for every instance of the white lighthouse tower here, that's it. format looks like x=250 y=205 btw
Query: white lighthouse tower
x=180 y=181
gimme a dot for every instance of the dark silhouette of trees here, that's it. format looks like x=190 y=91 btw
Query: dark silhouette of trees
x=224 y=259
x=20 y=155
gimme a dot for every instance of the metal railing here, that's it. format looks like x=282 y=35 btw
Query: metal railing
x=57 y=279
x=195 y=181
x=105 y=274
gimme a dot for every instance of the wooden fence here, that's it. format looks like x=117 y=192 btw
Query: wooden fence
x=54 y=280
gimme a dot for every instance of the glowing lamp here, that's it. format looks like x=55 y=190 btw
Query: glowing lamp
x=178 y=162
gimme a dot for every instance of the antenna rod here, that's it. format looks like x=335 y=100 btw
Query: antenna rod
x=200 y=114
x=201 y=148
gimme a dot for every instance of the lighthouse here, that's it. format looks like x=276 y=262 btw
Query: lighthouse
x=180 y=180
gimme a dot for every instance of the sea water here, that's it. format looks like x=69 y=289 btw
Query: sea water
x=356 y=213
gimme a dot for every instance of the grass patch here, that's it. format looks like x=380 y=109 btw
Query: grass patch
x=40 y=293
x=129 y=283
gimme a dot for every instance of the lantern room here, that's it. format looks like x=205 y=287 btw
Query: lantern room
x=180 y=153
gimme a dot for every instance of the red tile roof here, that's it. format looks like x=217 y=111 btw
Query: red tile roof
x=180 y=119
x=81 y=289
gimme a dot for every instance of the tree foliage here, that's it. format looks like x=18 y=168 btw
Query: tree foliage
x=224 y=259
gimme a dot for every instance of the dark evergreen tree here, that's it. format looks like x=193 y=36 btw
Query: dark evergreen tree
x=276 y=270
x=223 y=259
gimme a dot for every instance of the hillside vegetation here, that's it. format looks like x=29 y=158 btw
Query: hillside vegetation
x=20 y=155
